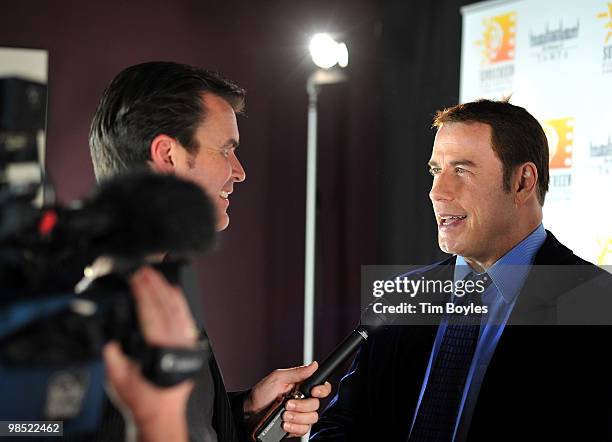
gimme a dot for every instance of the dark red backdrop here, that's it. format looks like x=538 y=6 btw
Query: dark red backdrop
x=252 y=286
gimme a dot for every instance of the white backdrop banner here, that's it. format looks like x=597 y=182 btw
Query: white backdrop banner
x=554 y=57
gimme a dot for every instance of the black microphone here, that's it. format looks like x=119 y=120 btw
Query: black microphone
x=128 y=218
x=270 y=428
x=142 y=213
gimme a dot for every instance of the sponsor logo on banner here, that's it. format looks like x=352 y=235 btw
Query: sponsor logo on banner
x=601 y=157
x=605 y=251
x=554 y=43
x=560 y=135
x=606 y=63
x=498 y=50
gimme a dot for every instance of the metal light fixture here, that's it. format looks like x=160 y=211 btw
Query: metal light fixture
x=326 y=53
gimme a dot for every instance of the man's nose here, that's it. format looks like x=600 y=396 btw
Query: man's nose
x=238 y=172
x=442 y=188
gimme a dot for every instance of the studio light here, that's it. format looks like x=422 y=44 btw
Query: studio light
x=327 y=52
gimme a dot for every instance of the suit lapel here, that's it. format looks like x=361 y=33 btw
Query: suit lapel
x=527 y=354
x=223 y=420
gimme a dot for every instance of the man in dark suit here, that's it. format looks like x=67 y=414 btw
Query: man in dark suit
x=173 y=118
x=515 y=374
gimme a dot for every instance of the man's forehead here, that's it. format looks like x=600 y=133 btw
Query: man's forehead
x=463 y=139
x=215 y=102
x=456 y=132
x=219 y=121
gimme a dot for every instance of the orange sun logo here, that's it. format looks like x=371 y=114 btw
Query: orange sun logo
x=498 y=38
x=607 y=15
x=605 y=255
x=560 y=136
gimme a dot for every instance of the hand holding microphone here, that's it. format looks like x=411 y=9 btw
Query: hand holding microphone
x=300 y=414
x=270 y=428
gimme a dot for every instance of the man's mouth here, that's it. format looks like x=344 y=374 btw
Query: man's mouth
x=450 y=220
x=224 y=194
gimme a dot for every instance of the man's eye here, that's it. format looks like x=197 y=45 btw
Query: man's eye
x=434 y=170
x=460 y=170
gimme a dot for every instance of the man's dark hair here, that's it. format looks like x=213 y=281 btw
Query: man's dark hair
x=516 y=136
x=148 y=100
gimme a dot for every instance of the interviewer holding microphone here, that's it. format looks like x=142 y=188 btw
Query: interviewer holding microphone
x=174 y=118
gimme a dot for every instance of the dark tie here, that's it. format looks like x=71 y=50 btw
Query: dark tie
x=437 y=415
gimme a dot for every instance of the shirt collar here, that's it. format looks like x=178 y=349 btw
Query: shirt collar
x=509 y=272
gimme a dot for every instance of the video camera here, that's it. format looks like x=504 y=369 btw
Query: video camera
x=55 y=314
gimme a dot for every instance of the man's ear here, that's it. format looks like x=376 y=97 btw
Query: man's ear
x=163 y=151
x=525 y=182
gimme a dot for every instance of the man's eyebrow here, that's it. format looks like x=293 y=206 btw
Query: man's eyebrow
x=463 y=163
x=453 y=163
x=232 y=143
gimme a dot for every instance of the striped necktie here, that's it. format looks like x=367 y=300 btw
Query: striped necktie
x=437 y=415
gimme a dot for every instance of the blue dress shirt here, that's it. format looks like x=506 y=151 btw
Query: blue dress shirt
x=508 y=275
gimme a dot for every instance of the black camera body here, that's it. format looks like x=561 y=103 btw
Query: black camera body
x=54 y=317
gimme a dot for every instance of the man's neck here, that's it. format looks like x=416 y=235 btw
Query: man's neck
x=480 y=265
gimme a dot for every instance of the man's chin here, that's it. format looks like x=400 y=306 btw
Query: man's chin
x=447 y=246
x=222 y=222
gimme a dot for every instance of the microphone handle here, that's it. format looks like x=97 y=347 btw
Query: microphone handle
x=270 y=429
x=338 y=356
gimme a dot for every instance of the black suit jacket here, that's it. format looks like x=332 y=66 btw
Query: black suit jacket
x=547 y=382
x=227 y=417
x=228 y=414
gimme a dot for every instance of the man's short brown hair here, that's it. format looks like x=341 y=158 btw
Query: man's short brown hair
x=147 y=100
x=516 y=136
